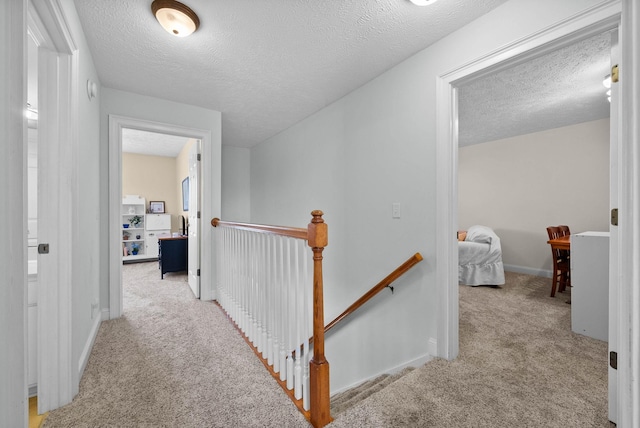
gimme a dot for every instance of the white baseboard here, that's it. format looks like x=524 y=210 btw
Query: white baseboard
x=84 y=357
x=528 y=271
x=432 y=346
x=417 y=362
x=105 y=314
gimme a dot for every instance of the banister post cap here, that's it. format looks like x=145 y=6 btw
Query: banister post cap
x=317 y=230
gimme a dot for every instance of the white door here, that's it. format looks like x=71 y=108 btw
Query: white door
x=614 y=270
x=194 y=219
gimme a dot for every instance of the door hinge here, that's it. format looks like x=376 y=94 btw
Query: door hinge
x=613 y=360
x=199 y=156
x=198 y=215
x=198 y=272
x=615 y=76
x=43 y=248
x=614 y=217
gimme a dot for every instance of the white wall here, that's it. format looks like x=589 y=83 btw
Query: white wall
x=520 y=185
x=86 y=209
x=142 y=107
x=356 y=157
x=236 y=188
x=13 y=209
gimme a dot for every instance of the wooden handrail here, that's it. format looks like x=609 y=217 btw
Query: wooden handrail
x=400 y=270
x=292 y=232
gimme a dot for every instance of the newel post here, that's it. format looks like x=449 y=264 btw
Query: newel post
x=319 y=393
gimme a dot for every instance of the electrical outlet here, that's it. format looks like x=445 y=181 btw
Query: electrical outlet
x=395 y=210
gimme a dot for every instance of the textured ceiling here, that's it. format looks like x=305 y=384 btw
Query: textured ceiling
x=558 y=89
x=151 y=143
x=264 y=64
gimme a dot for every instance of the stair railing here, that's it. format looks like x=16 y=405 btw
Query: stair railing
x=386 y=282
x=263 y=277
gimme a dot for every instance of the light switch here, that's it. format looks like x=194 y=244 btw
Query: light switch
x=395 y=210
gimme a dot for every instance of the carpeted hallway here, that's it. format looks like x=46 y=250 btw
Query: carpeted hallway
x=173 y=361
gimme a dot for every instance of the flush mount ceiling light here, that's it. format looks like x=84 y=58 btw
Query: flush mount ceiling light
x=175 y=17
x=423 y=2
x=607 y=81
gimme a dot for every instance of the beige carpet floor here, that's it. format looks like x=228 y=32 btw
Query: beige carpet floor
x=519 y=366
x=173 y=361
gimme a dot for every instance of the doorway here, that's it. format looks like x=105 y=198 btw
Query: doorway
x=155 y=168
x=117 y=126
x=560 y=35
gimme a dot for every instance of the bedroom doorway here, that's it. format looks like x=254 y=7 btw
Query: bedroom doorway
x=561 y=35
x=155 y=167
x=119 y=126
x=584 y=143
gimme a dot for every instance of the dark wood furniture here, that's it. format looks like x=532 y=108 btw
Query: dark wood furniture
x=172 y=254
x=560 y=249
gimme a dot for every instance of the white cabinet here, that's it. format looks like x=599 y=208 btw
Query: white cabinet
x=133 y=222
x=590 y=284
x=157 y=225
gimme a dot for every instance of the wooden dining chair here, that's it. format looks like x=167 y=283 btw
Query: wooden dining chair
x=561 y=266
x=564 y=231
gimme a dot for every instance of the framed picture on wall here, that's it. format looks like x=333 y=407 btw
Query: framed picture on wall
x=185 y=194
x=156 y=207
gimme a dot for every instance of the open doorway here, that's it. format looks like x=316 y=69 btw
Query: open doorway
x=156 y=170
x=118 y=127
x=526 y=162
x=561 y=35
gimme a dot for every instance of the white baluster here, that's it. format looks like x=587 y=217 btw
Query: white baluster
x=298 y=313
x=289 y=371
x=271 y=291
x=290 y=310
x=265 y=286
x=283 y=315
x=275 y=261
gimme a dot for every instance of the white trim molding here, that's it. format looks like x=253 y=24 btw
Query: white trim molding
x=58 y=68
x=86 y=351
x=13 y=211
x=528 y=271
x=628 y=313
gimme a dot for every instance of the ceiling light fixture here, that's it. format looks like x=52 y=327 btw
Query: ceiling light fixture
x=175 y=17
x=607 y=81
x=423 y=2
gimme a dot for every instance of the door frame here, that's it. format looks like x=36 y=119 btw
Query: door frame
x=58 y=74
x=592 y=21
x=116 y=124
x=194 y=219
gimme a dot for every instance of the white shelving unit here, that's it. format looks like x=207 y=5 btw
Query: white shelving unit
x=133 y=246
